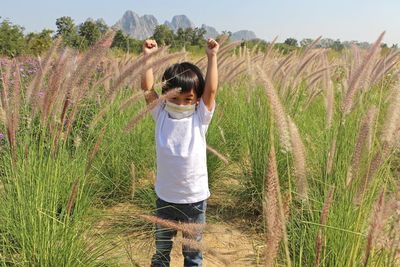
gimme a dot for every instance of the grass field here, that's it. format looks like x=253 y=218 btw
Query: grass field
x=303 y=158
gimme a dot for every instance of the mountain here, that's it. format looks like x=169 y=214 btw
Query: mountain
x=180 y=21
x=211 y=32
x=243 y=35
x=142 y=27
x=139 y=27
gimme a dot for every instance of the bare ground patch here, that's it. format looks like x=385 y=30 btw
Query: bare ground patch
x=132 y=242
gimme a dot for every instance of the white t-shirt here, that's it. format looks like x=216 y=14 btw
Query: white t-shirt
x=181 y=155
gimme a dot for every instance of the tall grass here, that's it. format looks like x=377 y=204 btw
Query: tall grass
x=44 y=211
x=77 y=138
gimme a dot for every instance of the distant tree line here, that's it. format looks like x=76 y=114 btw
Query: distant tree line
x=14 y=43
x=182 y=38
x=82 y=36
x=291 y=44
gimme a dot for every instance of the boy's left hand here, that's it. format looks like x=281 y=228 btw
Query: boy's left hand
x=212 y=47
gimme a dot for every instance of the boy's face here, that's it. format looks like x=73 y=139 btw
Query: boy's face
x=185 y=98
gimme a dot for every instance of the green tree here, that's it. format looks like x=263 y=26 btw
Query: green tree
x=120 y=40
x=134 y=46
x=102 y=26
x=90 y=32
x=125 y=43
x=182 y=37
x=189 y=36
x=337 y=45
x=65 y=26
x=291 y=42
x=37 y=43
x=326 y=43
x=67 y=29
x=12 y=42
x=163 y=35
x=198 y=36
x=306 y=42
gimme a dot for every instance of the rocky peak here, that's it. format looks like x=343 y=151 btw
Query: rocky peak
x=179 y=21
x=139 y=27
x=142 y=27
x=211 y=32
x=243 y=35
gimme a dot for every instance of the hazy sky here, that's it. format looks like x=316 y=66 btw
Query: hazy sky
x=361 y=20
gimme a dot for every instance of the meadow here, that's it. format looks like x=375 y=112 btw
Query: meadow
x=303 y=157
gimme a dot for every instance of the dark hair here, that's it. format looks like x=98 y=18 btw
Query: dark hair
x=183 y=75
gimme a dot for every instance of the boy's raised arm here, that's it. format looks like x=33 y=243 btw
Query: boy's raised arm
x=211 y=86
x=147 y=80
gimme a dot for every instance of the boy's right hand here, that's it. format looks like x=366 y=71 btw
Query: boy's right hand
x=149 y=46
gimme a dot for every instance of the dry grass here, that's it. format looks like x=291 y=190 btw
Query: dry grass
x=362 y=140
x=355 y=81
x=322 y=222
x=278 y=111
x=300 y=165
x=375 y=226
x=217 y=154
x=273 y=211
x=67 y=79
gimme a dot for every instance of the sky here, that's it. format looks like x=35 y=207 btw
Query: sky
x=360 y=20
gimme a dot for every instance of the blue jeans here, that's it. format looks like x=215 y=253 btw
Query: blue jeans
x=186 y=213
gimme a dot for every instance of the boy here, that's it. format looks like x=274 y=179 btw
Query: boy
x=181 y=125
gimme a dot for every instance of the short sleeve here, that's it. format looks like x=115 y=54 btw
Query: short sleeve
x=204 y=114
x=155 y=111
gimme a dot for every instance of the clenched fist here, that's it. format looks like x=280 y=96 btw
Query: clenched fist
x=149 y=46
x=212 y=47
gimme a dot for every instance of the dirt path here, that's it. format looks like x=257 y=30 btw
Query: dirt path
x=225 y=245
